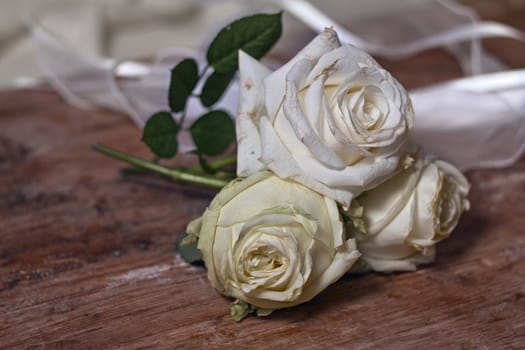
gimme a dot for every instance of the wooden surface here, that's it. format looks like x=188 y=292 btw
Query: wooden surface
x=87 y=257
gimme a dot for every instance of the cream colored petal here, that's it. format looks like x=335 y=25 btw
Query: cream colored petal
x=390 y=243
x=194 y=227
x=339 y=63
x=270 y=192
x=461 y=180
x=287 y=136
x=252 y=74
x=356 y=177
x=312 y=103
x=248 y=147
x=251 y=107
x=343 y=260
x=386 y=201
x=278 y=159
x=275 y=83
x=302 y=129
x=210 y=218
x=407 y=264
x=428 y=191
x=274 y=154
x=205 y=246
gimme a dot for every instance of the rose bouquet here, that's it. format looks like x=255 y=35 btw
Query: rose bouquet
x=327 y=181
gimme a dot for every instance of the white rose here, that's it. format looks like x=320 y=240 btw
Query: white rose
x=408 y=214
x=272 y=243
x=331 y=119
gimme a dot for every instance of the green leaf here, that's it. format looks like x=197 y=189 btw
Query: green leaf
x=203 y=162
x=239 y=310
x=215 y=86
x=213 y=132
x=160 y=134
x=253 y=34
x=184 y=77
x=187 y=248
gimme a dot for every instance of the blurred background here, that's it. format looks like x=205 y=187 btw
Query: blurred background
x=140 y=29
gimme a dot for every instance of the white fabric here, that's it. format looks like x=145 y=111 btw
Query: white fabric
x=405 y=27
x=472 y=122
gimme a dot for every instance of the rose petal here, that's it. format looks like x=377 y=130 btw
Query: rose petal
x=251 y=103
x=303 y=131
x=275 y=83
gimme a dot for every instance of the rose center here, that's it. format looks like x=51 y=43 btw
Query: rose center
x=264 y=261
x=368 y=106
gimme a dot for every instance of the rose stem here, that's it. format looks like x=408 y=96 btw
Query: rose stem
x=169 y=172
x=216 y=165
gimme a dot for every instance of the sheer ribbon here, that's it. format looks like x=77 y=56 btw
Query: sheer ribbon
x=474 y=122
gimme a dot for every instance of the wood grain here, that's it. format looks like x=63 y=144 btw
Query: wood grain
x=87 y=256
